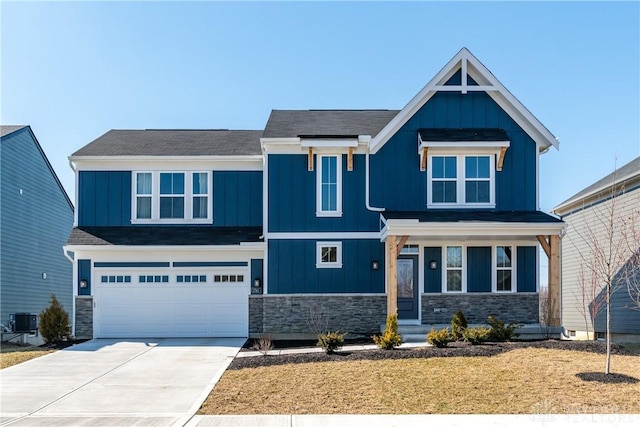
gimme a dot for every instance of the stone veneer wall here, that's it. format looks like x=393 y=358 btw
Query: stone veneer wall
x=84 y=317
x=512 y=307
x=289 y=316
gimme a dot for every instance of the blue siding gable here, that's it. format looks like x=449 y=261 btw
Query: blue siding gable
x=397 y=182
x=37 y=218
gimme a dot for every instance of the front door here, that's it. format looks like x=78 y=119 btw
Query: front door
x=408 y=287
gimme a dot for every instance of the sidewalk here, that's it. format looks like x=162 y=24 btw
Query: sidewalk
x=346 y=348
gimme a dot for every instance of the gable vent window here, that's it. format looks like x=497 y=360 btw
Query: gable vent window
x=172 y=198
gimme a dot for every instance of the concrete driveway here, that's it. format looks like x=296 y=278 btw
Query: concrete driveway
x=116 y=382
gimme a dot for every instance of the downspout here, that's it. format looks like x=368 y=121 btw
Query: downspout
x=366 y=186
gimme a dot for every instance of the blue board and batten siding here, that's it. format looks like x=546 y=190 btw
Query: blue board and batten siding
x=104 y=198
x=36 y=221
x=292 y=197
x=292 y=268
x=397 y=183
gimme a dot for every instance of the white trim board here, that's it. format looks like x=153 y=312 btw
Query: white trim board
x=365 y=235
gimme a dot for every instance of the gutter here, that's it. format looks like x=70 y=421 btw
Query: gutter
x=366 y=185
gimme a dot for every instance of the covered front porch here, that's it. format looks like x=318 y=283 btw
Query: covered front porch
x=481 y=262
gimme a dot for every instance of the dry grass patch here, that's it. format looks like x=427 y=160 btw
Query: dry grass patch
x=527 y=380
x=11 y=354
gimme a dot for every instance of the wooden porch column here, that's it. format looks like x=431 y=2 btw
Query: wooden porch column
x=554 y=280
x=392 y=277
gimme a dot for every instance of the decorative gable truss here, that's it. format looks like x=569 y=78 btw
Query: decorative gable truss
x=474 y=77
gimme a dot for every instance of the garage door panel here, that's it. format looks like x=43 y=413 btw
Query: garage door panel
x=141 y=310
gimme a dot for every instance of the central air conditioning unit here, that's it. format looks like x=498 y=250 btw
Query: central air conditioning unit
x=23 y=322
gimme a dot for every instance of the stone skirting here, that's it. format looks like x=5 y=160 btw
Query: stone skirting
x=512 y=307
x=304 y=316
x=84 y=317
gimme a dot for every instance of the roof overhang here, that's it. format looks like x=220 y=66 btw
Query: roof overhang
x=244 y=246
x=109 y=163
x=468 y=229
x=487 y=82
x=319 y=144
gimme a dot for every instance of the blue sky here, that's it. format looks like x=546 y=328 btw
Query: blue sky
x=75 y=70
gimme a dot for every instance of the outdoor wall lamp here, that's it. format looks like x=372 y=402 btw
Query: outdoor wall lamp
x=375 y=264
x=83 y=283
x=256 y=283
x=433 y=264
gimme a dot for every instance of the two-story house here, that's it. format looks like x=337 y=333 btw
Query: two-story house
x=336 y=217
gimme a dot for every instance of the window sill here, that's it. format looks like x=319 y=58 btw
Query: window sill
x=329 y=214
x=170 y=221
x=461 y=206
x=335 y=265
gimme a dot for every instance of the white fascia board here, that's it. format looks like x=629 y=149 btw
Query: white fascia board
x=322 y=235
x=244 y=246
x=239 y=163
x=483 y=77
x=462 y=147
x=414 y=228
x=321 y=143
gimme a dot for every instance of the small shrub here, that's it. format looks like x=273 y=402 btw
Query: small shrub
x=331 y=341
x=390 y=338
x=458 y=325
x=440 y=338
x=500 y=331
x=263 y=344
x=54 y=325
x=477 y=335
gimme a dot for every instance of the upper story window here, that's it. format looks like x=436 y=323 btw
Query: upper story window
x=461 y=181
x=172 y=197
x=329 y=186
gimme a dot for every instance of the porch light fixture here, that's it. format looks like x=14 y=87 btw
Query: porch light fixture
x=44 y=276
x=375 y=264
x=256 y=283
x=83 y=283
x=433 y=264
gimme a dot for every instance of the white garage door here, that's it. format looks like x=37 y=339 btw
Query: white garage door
x=152 y=304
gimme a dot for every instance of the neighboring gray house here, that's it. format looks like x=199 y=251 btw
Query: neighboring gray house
x=36 y=217
x=586 y=215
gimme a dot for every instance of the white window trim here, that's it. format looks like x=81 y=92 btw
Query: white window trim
x=494 y=264
x=320 y=246
x=338 y=211
x=188 y=198
x=494 y=268
x=463 y=267
x=460 y=181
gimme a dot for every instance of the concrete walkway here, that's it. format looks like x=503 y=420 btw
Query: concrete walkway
x=116 y=382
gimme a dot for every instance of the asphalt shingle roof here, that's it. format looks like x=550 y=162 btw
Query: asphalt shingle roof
x=326 y=123
x=471 y=134
x=7 y=129
x=469 y=215
x=631 y=169
x=161 y=142
x=157 y=236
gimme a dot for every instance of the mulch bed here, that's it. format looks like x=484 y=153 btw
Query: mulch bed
x=457 y=349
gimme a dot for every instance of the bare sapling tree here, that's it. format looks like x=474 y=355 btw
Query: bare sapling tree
x=589 y=299
x=600 y=245
x=547 y=315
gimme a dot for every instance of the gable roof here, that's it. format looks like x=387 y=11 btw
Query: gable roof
x=471 y=67
x=174 y=142
x=7 y=130
x=624 y=174
x=326 y=123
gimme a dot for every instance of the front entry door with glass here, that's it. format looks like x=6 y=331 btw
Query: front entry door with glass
x=407 y=287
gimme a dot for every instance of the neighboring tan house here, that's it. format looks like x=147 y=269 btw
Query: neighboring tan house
x=36 y=219
x=347 y=214
x=587 y=214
